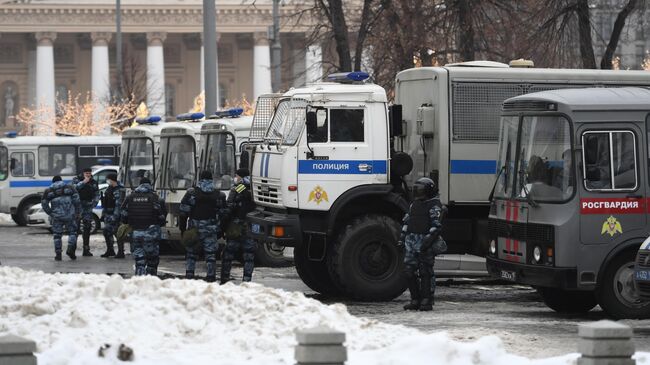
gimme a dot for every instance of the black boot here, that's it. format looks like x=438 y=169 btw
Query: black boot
x=57 y=257
x=71 y=253
x=414 y=290
x=109 y=253
x=86 y=243
x=120 y=250
x=189 y=274
x=425 y=289
x=211 y=278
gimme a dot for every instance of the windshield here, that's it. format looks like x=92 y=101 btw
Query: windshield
x=545 y=164
x=139 y=161
x=219 y=157
x=3 y=163
x=506 y=163
x=287 y=122
x=180 y=162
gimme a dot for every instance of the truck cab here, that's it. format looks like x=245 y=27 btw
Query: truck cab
x=321 y=178
x=140 y=152
x=568 y=211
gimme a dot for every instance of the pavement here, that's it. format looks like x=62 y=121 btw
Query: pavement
x=467 y=308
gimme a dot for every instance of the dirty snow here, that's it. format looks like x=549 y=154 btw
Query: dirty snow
x=71 y=316
x=6 y=218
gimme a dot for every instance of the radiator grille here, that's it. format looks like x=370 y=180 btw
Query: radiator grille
x=529 y=232
x=267 y=191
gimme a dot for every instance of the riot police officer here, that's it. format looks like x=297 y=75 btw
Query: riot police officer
x=111 y=201
x=145 y=213
x=422 y=241
x=61 y=202
x=202 y=205
x=240 y=203
x=89 y=194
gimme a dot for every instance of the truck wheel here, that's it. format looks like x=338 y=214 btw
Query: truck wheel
x=617 y=292
x=270 y=255
x=365 y=260
x=567 y=301
x=313 y=273
x=15 y=218
x=21 y=217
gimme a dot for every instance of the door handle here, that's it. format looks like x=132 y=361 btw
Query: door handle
x=364 y=167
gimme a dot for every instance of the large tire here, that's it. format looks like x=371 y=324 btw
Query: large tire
x=314 y=273
x=268 y=255
x=365 y=260
x=21 y=217
x=617 y=293
x=565 y=301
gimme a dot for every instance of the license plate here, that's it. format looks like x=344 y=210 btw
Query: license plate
x=255 y=228
x=642 y=275
x=508 y=275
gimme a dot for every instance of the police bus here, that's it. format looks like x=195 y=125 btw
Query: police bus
x=139 y=152
x=28 y=163
x=223 y=150
x=569 y=206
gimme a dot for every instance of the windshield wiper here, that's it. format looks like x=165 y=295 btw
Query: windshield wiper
x=524 y=179
x=496 y=181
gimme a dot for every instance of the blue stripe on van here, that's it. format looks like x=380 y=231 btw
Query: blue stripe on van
x=479 y=167
x=30 y=184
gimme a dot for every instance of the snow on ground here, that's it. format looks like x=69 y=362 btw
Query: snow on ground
x=5 y=218
x=71 y=316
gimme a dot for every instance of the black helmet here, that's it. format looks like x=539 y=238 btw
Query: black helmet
x=424 y=188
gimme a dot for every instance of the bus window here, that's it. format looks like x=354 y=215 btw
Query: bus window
x=609 y=161
x=3 y=163
x=22 y=164
x=57 y=160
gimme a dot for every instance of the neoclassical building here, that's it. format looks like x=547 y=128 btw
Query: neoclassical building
x=55 y=48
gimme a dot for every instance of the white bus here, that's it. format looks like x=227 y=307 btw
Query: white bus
x=139 y=152
x=27 y=165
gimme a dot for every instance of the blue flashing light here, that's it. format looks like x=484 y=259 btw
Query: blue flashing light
x=104 y=161
x=153 y=119
x=232 y=113
x=348 y=77
x=11 y=134
x=191 y=117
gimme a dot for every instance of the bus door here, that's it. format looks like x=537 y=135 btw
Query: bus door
x=22 y=169
x=612 y=195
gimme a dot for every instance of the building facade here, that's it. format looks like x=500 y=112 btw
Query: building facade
x=57 y=49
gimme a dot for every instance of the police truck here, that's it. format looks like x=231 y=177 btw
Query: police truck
x=332 y=175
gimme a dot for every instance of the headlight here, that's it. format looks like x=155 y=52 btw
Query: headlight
x=537 y=254
x=493 y=247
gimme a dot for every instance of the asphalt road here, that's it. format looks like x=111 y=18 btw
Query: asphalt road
x=465 y=308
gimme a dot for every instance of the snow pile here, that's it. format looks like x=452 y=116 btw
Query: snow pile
x=71 y=316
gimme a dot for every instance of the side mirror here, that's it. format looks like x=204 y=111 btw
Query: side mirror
x=395 y=120
x=311 y=122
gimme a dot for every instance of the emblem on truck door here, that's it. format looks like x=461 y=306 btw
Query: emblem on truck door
x=612 y=226
x=318 y=195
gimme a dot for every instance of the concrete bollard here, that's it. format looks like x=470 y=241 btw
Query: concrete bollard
x=16 y=350
x=321 y=345
x=605 y=343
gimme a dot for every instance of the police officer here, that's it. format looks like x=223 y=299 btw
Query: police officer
x=145 y=213
x=61 y=202
x=240 y=203
x=202 y=206
x=111 y=201
x=89 y=194
x=421 y=238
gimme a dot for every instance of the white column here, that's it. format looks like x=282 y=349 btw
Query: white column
x=261 y=65
x=31 y=77
x=45 y=87
x=100 y=80
x=313 y=64
x=156 y=73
